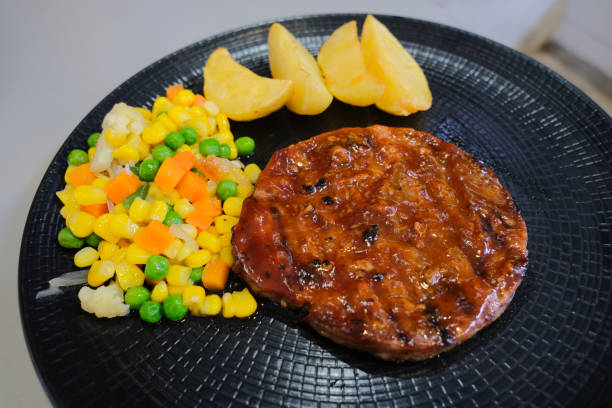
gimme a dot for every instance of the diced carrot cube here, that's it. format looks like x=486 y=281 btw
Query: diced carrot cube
x=154 y=238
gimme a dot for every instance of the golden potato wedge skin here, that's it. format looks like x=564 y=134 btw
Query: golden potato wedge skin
x=344 y=69
x=290 y=60
x=406 y=90
x=239 y=92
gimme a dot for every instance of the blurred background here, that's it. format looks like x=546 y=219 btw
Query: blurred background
x=60 y=58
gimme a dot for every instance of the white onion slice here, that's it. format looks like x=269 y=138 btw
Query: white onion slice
x=111 y=206
x=50 y=291
x=70 y=279
x=180 y=233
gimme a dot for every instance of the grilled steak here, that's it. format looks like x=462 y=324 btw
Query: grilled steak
x=395 y=242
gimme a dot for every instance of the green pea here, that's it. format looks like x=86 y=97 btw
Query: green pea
x=226 y=189
x=93 y=240
x=245 y=145
x=93 y=139
x=173 y=308
x=191 y=135
x=225 y=151
x=174 y=140
x=157 y=267
x=148 y=169
x=67 y=239
x=150 y=311
x=77 y=157
x=161 y=153
x=209 y=147
x=172 y=217
x=136 y=296
x=196 y=274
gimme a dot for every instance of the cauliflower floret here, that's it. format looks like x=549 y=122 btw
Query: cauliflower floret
x=124 y=119
x=104 y=301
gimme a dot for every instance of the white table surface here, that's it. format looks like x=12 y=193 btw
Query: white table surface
x=59 y=59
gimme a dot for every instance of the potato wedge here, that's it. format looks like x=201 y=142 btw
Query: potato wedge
x=290 y=60
x=238 y=91
x=406 y=90
x=344 y=69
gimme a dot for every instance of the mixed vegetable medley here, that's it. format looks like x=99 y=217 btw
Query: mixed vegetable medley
x=150 y=208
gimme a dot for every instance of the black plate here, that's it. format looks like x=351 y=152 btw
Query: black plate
x=550 y=146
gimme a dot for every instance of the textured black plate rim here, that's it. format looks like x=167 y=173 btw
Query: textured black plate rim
x=40 y=371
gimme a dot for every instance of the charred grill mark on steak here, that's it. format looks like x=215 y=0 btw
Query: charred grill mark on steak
x=393 y=241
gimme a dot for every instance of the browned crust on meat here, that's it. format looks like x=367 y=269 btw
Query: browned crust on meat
x=395 y=242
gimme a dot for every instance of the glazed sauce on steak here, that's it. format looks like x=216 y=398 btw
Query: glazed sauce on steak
x=394 y=241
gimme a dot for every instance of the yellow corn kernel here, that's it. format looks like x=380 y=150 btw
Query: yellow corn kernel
x=225 y=239
x=184 y=97
x=233 y=206
x=189 y=229
x=159 y=209
x=168 y=123
x=129 y=276
x=176 y=290
x=229 y=307
x=183 y=252
x=179 y=114
x=155 y=194
x=89 y=195
x=90 y=153
x=243 y=191
x=139 y=210
x=102 y=228
x=183 y=148
x=211 y=306
x=145 y=113
x=183 y=207
x=161 y=104
x=154 y=133
x=81 y=224
x=143 y=150
x=100 y=272
x=126 y=153
x=193 y=297
x=222 y=122
x=233 y=150
x=120 y=209
x=119 y=256
x=123 y=227
x=211 y=108
x=106 y=250
x=172 y=251
x=209 y=241
x=172 y=197
x=252 y=171
x=224 y=137
x=67 y=173
x=198 y=259
x=159 y=292
x=226 y=255
x=200 y=124
x=115 y=139
x=211 y=187
x=85 y=257
x=136 y=255
x=224 y=223
x=197 y=111
x=66 y=195
x=178 y=275
x=68 y=210
x=100 y=182
x=244 y=303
